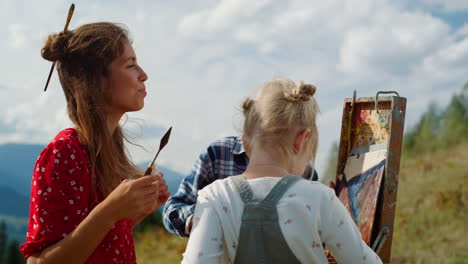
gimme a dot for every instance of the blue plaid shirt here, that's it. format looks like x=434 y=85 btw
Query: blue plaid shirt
x=223 y=158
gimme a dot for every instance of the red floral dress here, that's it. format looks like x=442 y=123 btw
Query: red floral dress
x=61 y=199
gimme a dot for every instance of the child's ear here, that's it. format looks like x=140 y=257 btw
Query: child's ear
x=246 y=144
x=300 y=139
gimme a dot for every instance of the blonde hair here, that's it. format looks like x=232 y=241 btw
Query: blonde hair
x=280 y=108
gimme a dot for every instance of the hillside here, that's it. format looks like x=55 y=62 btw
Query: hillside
x=14 y=210
x=13 y=203
x=171 y=177
x=430 y=219
x=431 y=214
x=16 y=166
x=17 y=163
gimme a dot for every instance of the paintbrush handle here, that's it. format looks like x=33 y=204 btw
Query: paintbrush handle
x=148 y=170
x=151 y=165
x=70 y=14
x=50 y=75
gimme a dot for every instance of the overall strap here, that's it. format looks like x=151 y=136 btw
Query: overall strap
x=243 y=188
x=261 y=239
x=280 y=188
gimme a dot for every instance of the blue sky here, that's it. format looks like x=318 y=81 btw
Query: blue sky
x=204 y=57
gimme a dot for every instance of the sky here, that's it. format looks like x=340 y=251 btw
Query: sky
x=203 y=58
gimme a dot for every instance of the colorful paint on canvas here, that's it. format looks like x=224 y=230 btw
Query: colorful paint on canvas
x=360 y=189
x=370 y=127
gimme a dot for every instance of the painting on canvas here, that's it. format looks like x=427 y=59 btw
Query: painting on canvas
x=359 y=188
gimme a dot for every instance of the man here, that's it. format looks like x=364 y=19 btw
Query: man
x=223 y=158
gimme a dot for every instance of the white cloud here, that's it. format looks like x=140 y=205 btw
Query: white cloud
x=462 y=31
x=392 y=43
x=17 y=35
x=220 y=17
x=454 y=55
x=23 y=117
x=204 y=58
x=449 y=5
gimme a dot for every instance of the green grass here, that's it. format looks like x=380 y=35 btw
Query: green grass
x=430 y=219
x=156 y=245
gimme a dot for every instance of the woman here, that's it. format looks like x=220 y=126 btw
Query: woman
x=86 y=194
x=266 y=214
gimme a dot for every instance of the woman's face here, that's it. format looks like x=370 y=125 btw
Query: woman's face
x=125 y=83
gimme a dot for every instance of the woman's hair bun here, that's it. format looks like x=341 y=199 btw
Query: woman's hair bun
x=301 y=93
x=55 y=47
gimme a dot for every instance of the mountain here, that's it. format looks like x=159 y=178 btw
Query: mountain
x=14 y=210
x=16 y=167
x=13 y=203
x=171 y=177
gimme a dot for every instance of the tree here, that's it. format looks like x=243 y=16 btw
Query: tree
x=3 y=240
x=14 y=256
x=440 y=129
x=152 y=220
x=330 y=172
x=455 y=126
x=464 y=100
x=427 y=131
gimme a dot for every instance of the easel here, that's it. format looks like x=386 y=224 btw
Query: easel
x=392 y=110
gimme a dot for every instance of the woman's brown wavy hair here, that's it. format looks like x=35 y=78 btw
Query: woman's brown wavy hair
x=83 y=56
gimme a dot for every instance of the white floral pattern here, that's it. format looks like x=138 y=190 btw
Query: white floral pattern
x=309 y=215
x=59 y=204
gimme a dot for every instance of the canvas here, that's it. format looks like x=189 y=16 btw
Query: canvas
x=370 y=127
x=359 y=188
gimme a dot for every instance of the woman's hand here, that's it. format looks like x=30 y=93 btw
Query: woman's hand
x=134 y=198
x=162 y=198
x=130 y=199
x=163 y=192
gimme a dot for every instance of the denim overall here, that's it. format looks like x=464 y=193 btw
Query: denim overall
x=260 y=238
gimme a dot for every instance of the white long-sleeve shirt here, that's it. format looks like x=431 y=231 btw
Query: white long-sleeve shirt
x=309 y=213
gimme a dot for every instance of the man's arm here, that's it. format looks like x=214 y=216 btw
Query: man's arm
x=181 y=206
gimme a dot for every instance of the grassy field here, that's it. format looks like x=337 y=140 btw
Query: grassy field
x=430 y=223
x=159 y=247
x=431 y=216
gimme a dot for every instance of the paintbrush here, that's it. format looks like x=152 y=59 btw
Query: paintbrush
x=162 y=144
x=70 y=14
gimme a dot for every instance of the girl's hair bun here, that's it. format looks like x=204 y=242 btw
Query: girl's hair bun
x=55 y=47
x=301 y=93
x=306 y=91
x=247 y=105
